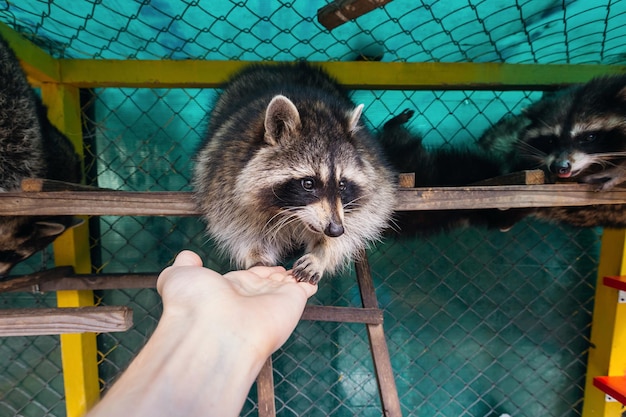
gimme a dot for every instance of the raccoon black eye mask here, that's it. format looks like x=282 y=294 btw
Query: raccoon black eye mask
x=287 y=165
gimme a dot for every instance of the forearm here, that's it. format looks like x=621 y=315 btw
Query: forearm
x=186 y=369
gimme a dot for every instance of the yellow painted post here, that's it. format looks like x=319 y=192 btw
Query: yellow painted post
x=607 y=355
x=78 y=351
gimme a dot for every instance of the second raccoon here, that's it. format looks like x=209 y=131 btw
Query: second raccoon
x=287 y=164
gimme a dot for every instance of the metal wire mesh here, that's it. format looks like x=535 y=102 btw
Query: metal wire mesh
x=479 y=323
x=421 y=31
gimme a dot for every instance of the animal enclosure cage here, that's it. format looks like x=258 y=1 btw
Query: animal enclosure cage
x=478 y=322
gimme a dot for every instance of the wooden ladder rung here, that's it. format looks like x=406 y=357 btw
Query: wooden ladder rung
x=615 y=386
x=51 y=321
x=617 y=282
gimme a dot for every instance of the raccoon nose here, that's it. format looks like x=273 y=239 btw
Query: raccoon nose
x=334 y=229
x=561 y=167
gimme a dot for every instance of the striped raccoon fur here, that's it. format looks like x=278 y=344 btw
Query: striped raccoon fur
x=576 y=135
x=287 y=164
x=30 y=146
x=581 y=132
x=439 y=168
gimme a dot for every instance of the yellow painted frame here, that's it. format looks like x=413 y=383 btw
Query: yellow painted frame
x=607 y=355
x=79 y=352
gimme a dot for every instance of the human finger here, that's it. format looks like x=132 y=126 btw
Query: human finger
x=308 y=288
x=187 y=258
x=266 y=271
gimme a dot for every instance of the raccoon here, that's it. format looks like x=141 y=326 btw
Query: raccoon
x=439 y=168
x=30 y=146
x=577 y=134
x=580 y=134
x=287 y=164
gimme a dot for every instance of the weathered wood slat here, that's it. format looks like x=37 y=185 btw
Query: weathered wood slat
x=129 y=203
x=49 y=321
x=98 y=203
x=63 y=279
x=343 y=314
x=35 y=280
x=341 y=11
x=506 y=196
x=39 y=184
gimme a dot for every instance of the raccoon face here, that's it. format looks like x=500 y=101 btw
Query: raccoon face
x=568 y=152
x=21 y=237
x=319 y=203
x=312 y=176
x=580 y=130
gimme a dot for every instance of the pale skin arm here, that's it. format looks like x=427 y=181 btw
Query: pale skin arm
x=211 y=341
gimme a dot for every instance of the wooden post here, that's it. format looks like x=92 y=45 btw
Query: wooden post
x=607 y=355
x=78 y=351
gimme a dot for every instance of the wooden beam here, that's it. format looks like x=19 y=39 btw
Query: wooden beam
x=354 y=75
x=181 y=203
x=34 y=281
x=506 y=196
x=99 y=203
x=341 y=11
x=51 y=321
x=56 y=280
x=378 y=344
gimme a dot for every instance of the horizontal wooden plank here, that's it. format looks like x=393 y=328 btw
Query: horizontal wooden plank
x=35 y=281
x=343 y=314
x=98 y=203
x=506 y=196
x=129 y=203
x=615 y=386
x=39 y=184
x=49 y=321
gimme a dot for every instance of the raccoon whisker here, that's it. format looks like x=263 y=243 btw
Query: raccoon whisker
x=530 y=151
x=609 y=155
x=350 y=205
x=282 y=219
x=276 y=223
x=393 y=225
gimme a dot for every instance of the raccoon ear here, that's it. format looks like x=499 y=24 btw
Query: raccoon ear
x=282 y=120
x=49 y=229
x=354 y=117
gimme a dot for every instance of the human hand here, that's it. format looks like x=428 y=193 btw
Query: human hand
x=259 y=307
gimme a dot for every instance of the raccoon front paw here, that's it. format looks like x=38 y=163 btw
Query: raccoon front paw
x=307 y=269
x=401 y=118
x=606 y=180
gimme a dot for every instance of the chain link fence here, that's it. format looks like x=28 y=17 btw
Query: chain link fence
x=479 y=323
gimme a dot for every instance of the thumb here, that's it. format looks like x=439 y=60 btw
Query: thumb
x=187 y=258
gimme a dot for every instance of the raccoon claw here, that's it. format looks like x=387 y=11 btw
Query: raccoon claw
x=304 y=271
